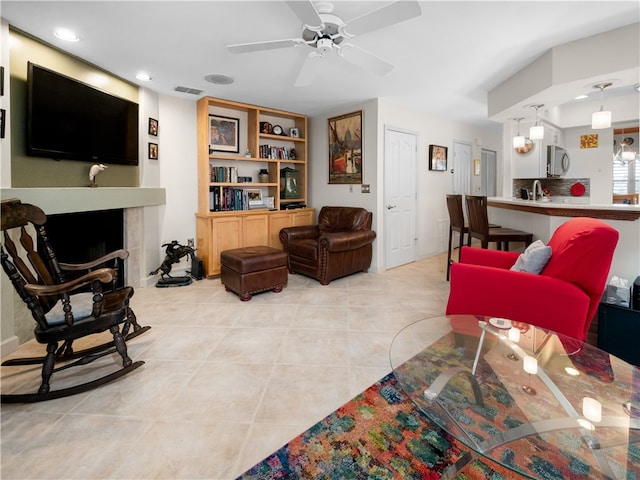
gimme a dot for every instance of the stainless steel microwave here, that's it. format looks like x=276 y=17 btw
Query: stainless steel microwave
x=557 y=161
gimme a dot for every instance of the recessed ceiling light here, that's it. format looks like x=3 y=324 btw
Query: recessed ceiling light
x=581 y=97
x=145 y=77
x=219 y=79
x=66 y=35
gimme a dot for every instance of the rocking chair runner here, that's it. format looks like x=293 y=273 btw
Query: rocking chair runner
x=63 y=310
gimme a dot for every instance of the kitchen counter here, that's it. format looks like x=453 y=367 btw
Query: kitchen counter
x=543 y=218
x=568 y=207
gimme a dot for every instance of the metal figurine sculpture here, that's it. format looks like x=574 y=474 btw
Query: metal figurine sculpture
x=175 y=252
x=93 y=172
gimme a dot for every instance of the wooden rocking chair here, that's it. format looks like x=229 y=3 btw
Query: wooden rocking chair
x=64 y=311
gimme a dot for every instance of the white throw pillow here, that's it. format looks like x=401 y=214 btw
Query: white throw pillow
x=534 y=258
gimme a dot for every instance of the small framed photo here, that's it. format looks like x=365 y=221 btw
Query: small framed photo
x=254 y=197
x=153 y=151
x=153 y=127
x=438 y=158
x=223 y=134
x=294 y=132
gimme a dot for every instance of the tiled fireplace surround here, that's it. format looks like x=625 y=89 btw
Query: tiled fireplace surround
x=136 y=203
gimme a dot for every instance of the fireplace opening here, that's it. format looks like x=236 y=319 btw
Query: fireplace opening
x=85 y=236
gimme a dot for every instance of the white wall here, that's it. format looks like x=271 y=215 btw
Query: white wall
x=433 y=219
x=432 y=214
x=177 y=166
x=321 y=193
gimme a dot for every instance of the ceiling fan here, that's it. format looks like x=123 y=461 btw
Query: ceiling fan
x=325 y=32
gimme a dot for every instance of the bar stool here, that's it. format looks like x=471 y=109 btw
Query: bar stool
x=479 y=226
x=457 y=224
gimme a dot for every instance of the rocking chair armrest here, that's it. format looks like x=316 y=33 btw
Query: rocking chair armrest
x=122 y=254
x=103 y=275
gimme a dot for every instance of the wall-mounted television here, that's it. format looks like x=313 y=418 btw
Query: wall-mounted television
x=70 y=120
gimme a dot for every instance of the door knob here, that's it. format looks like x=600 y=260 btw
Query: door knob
x=389 y=207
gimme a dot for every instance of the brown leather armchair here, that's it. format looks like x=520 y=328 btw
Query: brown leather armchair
x=339 y=245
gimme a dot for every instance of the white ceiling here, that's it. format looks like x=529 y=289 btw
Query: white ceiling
x=445 y=60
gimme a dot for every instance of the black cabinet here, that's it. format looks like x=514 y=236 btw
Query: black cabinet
x=619 y=331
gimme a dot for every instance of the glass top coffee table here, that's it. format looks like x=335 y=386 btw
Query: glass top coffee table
x=538 y=403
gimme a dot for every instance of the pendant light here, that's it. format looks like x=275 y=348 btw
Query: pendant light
x=625 y=155
x=518 y=140
x=601 y=118
x=537 y=131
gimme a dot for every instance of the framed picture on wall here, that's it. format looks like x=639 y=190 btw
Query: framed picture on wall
x=345 y=148
x=153 y=151
x=223 y=134
x=438 y=158
x=153 y=127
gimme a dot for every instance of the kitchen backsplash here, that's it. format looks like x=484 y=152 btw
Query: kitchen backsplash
x=559 y=187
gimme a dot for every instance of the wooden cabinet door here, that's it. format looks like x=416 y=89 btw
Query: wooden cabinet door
x=278 y=221
x=255 y=230
x=226 y=233
x=306 y=217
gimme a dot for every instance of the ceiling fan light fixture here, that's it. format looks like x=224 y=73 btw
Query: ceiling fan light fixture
x=602 y=118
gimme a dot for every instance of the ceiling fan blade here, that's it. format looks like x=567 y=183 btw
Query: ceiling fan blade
x=307 y=13
x=383 y=17
x=268 y=45
x=309 y=69
x=364 y=59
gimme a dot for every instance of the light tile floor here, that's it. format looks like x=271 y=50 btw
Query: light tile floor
x=225 y=383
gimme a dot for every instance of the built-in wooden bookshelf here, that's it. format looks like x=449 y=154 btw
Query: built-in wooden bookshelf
x=227 y=180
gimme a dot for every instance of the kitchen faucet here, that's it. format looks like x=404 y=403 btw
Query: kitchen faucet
x=536 y=183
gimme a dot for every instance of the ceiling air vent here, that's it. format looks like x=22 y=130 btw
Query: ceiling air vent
x=192 y=91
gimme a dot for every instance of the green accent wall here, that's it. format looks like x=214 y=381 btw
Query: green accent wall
x=27 y=171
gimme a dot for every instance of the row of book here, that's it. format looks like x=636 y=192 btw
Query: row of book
x=224 y=174
x=223 y=199
x=279 y=153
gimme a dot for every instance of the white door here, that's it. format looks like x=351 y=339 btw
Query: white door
x=461 y=167
x=488 y=172
x=400 y=184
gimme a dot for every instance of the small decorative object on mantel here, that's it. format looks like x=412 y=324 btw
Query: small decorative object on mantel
x=93 y=172
x=438 y=158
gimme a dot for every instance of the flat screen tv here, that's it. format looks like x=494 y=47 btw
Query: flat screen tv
x=70 y=120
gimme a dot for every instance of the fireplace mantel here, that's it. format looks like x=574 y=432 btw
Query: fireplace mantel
x=86 y=199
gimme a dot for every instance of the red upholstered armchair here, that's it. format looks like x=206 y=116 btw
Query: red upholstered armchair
x=563 y=297
x=339 y=245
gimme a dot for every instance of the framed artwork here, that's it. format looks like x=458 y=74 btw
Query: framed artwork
x=3 y=114
x=153 y=127
x=476 y=166
x=438 y=158
x=294 y=132
x=153 y=151
x=254 y=197
x=345 y=148
x=589 y=141
x=224 y=134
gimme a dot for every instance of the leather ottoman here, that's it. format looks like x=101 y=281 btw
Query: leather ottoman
x=250 y=270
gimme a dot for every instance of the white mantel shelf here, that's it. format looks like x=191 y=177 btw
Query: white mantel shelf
x=86 y=199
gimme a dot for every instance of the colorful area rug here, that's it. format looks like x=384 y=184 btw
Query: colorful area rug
x=378 y=435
